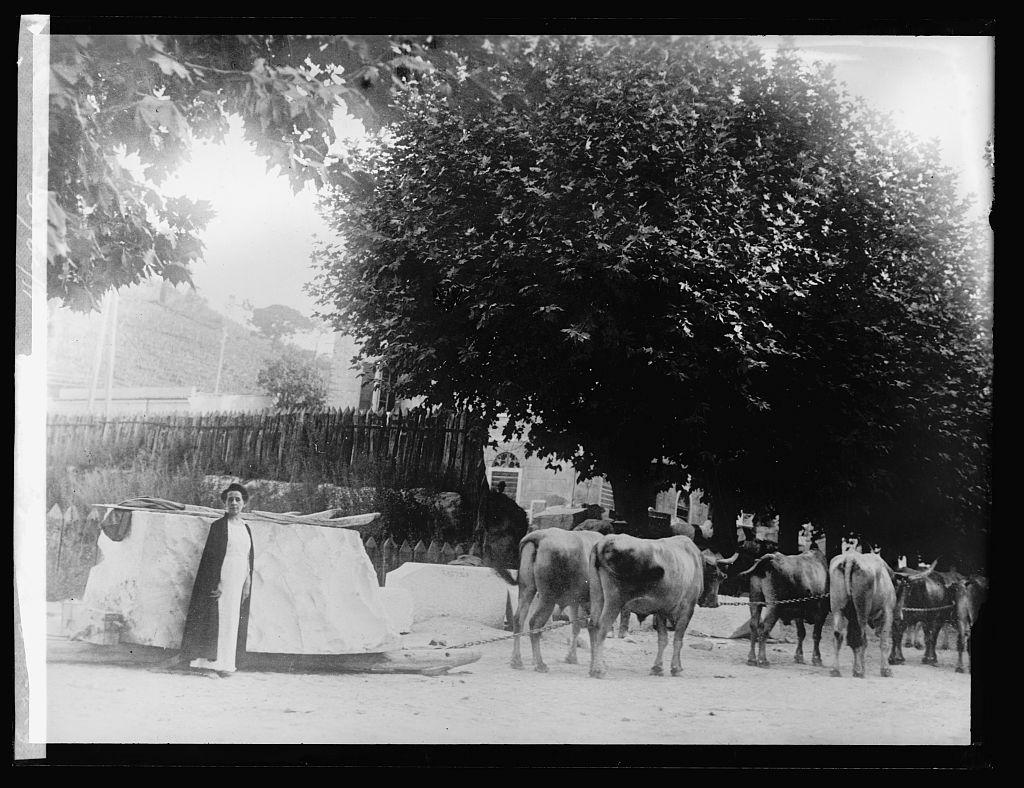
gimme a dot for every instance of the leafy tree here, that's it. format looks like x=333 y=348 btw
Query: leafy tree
x=295 y=384
x=151 y=95
x=277 y=321
x=676 y=260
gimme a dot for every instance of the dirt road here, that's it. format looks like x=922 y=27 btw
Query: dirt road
x=719 y=699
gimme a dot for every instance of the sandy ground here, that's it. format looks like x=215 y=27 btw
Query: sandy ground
x=719 y=699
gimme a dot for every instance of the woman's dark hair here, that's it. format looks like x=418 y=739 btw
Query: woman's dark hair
x=232 y=487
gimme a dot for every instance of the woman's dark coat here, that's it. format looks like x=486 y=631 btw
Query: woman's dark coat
x=200 y=636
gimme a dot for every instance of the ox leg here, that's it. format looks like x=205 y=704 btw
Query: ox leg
x=574 y=616
x=682 y=622
x=931 y=641
x=770 y=617
x=662 y=626
x=801 y=633
x=896 y=653
x=540 y=612
x=944 y=631
x=624 y=623
x=962 y=634
x=918 y=637
x=856 y=636
x=884 y=643
x=598 y=632
x=755 y=632
x=819 y=624
x=839 y=631
x=525 y=599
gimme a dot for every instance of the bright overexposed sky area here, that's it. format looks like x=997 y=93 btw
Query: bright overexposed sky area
x=258 y=246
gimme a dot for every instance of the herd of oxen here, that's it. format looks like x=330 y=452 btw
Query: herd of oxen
x=596 y=577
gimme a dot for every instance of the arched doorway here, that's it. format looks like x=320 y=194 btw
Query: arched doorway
x=503 y=475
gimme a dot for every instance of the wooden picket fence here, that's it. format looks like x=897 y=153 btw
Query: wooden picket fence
x=418 y=448
x=71 y=552
x=388 y=556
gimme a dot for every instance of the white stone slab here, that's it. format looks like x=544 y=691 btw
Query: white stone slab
x=472 y=593
x=313 y=591
x=722 y=621
x=398 y=604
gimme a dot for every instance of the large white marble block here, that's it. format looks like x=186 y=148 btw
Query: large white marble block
x=313 y=588
x=473 y=593
x=398 y=604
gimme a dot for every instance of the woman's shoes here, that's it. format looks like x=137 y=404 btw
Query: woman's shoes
x=224 y=674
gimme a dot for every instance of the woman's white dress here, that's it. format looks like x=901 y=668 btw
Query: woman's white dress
x=234 y=573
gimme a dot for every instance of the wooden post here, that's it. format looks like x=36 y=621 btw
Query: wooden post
x=54 y=524
x=404 y=553
x=220 y=361
x=97 y=357
x=433 y=555
x=113 y=356
x=374 y=555
x=389 y=560
x=448 y=554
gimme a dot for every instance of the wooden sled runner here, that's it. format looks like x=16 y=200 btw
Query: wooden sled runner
x=425 y=661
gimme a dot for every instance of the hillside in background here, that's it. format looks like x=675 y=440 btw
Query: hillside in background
x=170 y=342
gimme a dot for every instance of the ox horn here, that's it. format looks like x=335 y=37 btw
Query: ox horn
x=729 y=561
x=923 y=573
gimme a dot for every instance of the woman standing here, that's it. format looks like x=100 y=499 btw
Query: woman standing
x=220 y=599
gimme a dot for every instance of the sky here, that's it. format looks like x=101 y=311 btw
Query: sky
x=258 y=246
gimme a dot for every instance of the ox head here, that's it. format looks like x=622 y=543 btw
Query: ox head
x=715 y=571
x=904 y=579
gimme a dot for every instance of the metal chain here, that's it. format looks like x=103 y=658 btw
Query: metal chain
x=778 y=601
x=925 y=609
x=514 y=634
x=721 y=604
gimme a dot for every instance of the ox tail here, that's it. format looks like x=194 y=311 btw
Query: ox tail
x=854 y=627
x=528 y=546
x=505 y=575
x=760 y=567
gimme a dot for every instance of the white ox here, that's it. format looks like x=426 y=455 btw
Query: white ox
x=553 y=570
x=660 y=576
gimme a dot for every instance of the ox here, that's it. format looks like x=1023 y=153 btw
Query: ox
x=862 y=594
x=660 y=576
x=926 y=597
x=714 y=574
x=776 y=577
x=553 y=570
x=970 y=595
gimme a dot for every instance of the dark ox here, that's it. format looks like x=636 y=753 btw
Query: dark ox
x=660 y=576
x=775 y=577
x=749 y=552
x=970 y=596
x=924 y=597
x=862 y=594
x=554 y=569
x=715 y=568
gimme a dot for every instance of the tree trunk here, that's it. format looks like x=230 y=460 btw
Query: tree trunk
x=726 y=509
x=634 y=493
x=789 y=533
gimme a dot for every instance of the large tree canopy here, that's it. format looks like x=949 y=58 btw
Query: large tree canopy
x=151 y=95
x=675 y=259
